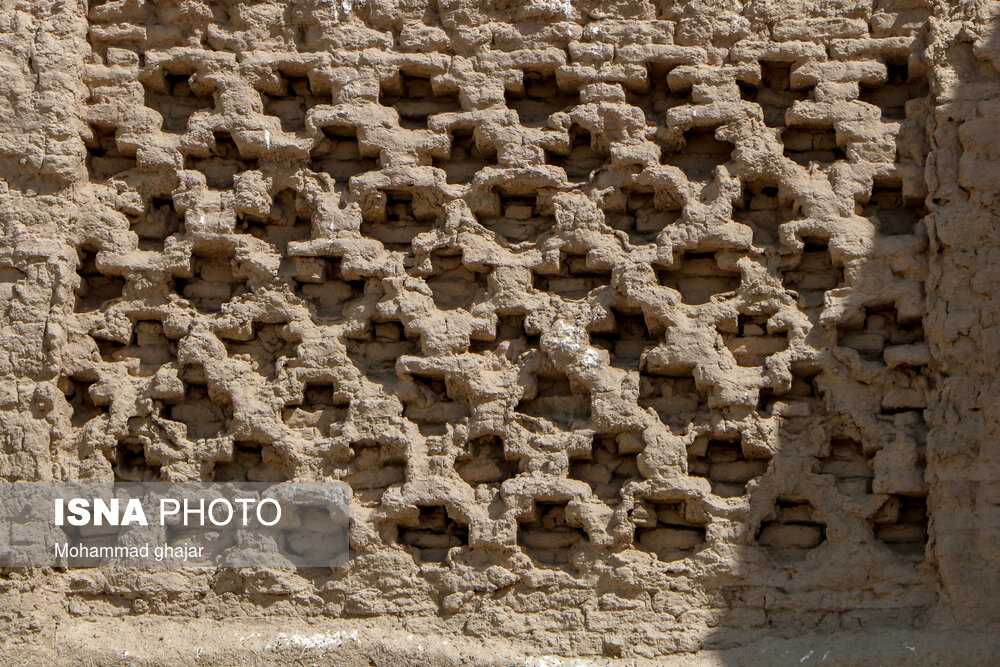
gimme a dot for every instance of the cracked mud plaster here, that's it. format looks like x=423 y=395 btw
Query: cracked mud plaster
x=636 y=327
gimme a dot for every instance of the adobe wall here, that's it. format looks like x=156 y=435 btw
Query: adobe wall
x=636 y=327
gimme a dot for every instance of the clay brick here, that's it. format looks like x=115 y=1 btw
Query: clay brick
x=574 y=298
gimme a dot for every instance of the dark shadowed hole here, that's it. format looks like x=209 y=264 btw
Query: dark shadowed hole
x=130 y=463
x=202 y=416
x=806 y=146
x=290 y=102
x=574 y=280
x=548 y=538
x=581 y=159
x=792 y=532
x=77 y=392
x=224 y=163
x=814 y=275
x=606 y=469
x=177 y=101
x=726 y=467
x=339 y=155
x=415 y=100
x=540 y=98
x=901 y=524
x=319 y=281
x=555 y=401
x=160 y=221
x=373 y=468
x=899 y=88
x=434 y=535
x=375 y=351
x=698 y=278
x=520 y=220
x=774 y=94
x=465 y=158
x=892 y=215
x=96 y=289
x=431 y=408
x=213 y=281
x=104 y=160
x=700 y=155
x=663 y=529
x=484 y=462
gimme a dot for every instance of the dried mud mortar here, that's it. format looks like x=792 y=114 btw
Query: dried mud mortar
x=636 y=327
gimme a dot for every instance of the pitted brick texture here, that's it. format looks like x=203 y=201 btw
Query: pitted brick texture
x=613 y=317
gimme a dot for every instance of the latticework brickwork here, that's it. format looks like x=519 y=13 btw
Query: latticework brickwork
x=611 y=314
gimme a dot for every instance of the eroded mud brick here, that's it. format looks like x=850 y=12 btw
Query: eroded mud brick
x=632 y=325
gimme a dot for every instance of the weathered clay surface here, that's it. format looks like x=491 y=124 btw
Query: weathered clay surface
x=634 y=326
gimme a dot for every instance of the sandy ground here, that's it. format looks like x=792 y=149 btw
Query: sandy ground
x=167 y=641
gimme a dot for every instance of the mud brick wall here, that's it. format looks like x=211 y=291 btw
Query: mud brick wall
x=634 y=326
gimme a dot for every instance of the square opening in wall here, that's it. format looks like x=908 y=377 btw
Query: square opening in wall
x=548 y=537
x=434 y=534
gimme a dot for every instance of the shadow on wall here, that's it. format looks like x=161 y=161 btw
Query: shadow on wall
x=838 y=537
x=825 y=531
x=963 y=446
